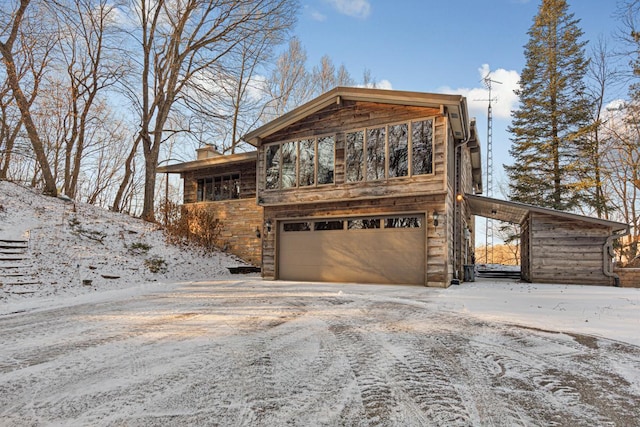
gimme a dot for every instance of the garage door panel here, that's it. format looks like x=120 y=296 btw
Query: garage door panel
x=394 y=255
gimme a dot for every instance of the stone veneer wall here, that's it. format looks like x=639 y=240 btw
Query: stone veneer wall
x=239 y=221
x=629 y=277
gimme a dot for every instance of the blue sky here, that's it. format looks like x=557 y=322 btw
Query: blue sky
x=440 y=46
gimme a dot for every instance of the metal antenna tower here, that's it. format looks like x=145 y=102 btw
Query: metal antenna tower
x=488 y=82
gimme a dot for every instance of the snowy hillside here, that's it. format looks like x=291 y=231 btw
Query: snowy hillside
x=78 y=248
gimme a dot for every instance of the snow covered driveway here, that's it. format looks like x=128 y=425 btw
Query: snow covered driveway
x=271 y=353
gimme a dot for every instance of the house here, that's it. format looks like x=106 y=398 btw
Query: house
x=380 y=186
x=361 y=185
x=225 y=185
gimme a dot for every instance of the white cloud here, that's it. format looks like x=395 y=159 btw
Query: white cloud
x=504 y=100
x=355 y=8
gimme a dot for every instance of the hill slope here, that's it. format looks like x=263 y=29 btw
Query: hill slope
x=79 y=248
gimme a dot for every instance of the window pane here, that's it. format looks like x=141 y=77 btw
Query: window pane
x=403 y=222
x=235 y=179
x=217 y=188
x=273 y=167
x=422 y=141
x=297 y=226
x=326 y=159
x=227 y=188
x=289 y=156
x=375 y=154
x=307 y=162
x=200 y=191
x=328 y=225
x=398 y=150
x=354 y=156
x=208 y=189
x=361 y=224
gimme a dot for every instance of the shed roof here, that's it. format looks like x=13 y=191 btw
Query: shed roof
x=228 y=159
x=516 y=212
x=455 y=106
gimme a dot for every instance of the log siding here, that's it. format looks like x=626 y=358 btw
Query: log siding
x=566 y=251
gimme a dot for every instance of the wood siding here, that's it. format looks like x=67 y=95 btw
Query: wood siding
x=458 y=212
x=525 y=250
x=339 y=119
x=246 y=170
x=567 y=251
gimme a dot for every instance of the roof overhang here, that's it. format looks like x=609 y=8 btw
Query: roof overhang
x=452 y=106
x=516 y=213
x=223 y=160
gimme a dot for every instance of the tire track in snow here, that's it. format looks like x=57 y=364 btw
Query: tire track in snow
x=547 y=378
x=378 y=400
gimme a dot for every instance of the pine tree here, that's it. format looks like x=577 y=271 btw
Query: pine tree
x=551 y=125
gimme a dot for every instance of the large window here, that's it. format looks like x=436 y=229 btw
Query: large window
x=391 y=151
x=422 y=143
x=222 y=187
x=302 y=163
x=398 y=150
x=375 y=153
x=355 y=159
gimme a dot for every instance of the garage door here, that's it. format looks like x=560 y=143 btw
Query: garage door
x=364 y=250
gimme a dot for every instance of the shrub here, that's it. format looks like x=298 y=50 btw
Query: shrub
x=156 y=265
x=138 y=248
x=192 y=225
x=98 y=236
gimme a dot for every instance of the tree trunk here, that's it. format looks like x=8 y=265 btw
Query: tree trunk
x=23 y=105
x=128 y=172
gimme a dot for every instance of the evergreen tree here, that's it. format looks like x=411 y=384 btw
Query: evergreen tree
x=551 y=125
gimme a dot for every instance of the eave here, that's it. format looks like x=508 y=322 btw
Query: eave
x=224 y=160
x=516 y=213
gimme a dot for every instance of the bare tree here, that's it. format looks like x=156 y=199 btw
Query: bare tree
x=343 y=78
x=289 y=84
x=179 y=42
x=621 y=157
x=324 y=75
x=91 y=67
x=10 y=125
x=17 y=25
x=600 y=75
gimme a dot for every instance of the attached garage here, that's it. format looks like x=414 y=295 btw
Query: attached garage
x=388 y=249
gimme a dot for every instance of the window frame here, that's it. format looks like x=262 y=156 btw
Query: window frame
x=316 y=162
x=201 y=191
x=410 y=167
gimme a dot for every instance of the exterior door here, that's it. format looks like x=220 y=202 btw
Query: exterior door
x=363 y=250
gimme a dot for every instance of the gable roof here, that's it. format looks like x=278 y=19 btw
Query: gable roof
x=515 y=212
x=454 y=106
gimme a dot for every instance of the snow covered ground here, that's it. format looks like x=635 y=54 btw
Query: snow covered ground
x=71 y=244
x=197 y=346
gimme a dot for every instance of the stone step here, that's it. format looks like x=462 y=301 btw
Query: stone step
x=15 y=266
x=19 y=282
x=13 y=250
x=14 y=257
x=11 y=267
x=14 y=243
